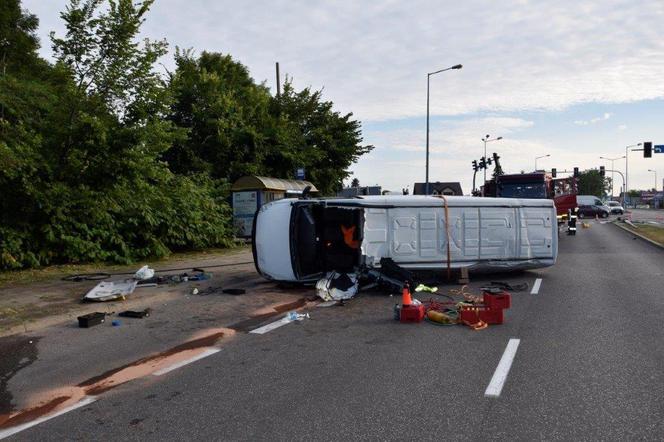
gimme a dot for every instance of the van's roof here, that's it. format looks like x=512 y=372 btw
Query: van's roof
x=431 y=201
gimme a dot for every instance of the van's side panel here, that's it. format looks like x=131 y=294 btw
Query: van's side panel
x=497 y=232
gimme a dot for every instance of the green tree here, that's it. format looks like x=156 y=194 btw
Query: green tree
x=235 y=127
x=86 y=178
x=355 y=183
x=226 y=114
x=591 y=182
x=324 y=141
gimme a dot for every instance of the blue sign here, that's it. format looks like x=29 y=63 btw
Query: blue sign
x=299 y=173
x=658 y=148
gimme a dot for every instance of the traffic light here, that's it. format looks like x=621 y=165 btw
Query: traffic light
x=553 y=172
x=488 y=161
x=602 y=171
x=482 y=163
x=647 y=149
x=475 y=166
x=576 y=172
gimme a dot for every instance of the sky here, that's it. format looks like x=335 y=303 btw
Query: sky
x=576 y=80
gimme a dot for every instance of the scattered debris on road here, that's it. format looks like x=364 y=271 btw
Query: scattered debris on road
x=91 y=319
x=336 y=286
x=234 y=292
x=109 y=290
x=135 y=314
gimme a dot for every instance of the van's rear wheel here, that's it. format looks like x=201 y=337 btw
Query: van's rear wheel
x=605 y=215
x=580 y=215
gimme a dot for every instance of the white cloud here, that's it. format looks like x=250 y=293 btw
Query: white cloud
x=604 y=117
x=372 y=58
x=622 y=127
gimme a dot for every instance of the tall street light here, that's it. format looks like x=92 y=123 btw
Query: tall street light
x=457 y=66
x=626 y=170
x=650 y=170
x=612 y=168
x=487 y=140
x=537 y=158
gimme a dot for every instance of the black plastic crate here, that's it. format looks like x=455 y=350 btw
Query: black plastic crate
x=91 y=319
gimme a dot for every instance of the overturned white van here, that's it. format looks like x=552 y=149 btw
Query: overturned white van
x=302 y=239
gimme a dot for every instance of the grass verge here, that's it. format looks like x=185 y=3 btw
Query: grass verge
x=651 y=232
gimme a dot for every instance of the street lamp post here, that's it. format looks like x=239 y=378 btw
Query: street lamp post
x=537 y=158
x=626 y=164
x=612 y=168
x=650 y=170
x=487 y=140
x=458 y=66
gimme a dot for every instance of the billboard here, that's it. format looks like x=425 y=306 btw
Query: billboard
x=245 y=205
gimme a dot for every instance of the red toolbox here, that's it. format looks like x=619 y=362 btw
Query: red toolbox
x=476 y=314
x=497 y=300
x=412 y=313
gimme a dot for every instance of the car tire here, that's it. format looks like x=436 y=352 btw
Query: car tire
x=580 y=215
x=605 y=214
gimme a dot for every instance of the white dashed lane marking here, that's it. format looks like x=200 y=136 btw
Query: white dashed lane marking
x=536 y=286
x=17 y=429
x=271 y=326
x=503 y=369
x=205 y=354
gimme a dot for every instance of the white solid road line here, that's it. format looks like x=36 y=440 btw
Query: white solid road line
x=536 y=286
x=271 y=326
x=503 y=369
x=205 y=354
x=13 y=430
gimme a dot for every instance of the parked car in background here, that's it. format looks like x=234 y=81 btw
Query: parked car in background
x=591 y=211
x=615 y=207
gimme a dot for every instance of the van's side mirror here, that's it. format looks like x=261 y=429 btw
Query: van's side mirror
x=305 y=193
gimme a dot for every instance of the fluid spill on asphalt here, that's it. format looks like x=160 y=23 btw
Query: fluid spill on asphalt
x=52 y=401
x=17 y=353
x=55 y=400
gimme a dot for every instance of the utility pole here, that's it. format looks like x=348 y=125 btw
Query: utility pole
x=278 y=83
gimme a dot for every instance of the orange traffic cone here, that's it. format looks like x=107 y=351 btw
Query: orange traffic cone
x=405 y=296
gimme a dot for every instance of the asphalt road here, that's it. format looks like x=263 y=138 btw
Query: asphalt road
x=589 y=366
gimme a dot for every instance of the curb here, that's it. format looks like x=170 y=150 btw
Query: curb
x=654 y=243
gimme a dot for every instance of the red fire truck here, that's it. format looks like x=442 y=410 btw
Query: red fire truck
x=537 y=185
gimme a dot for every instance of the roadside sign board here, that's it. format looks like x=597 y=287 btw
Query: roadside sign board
x=658 y=148
x=244 y=208
x=299 y=173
